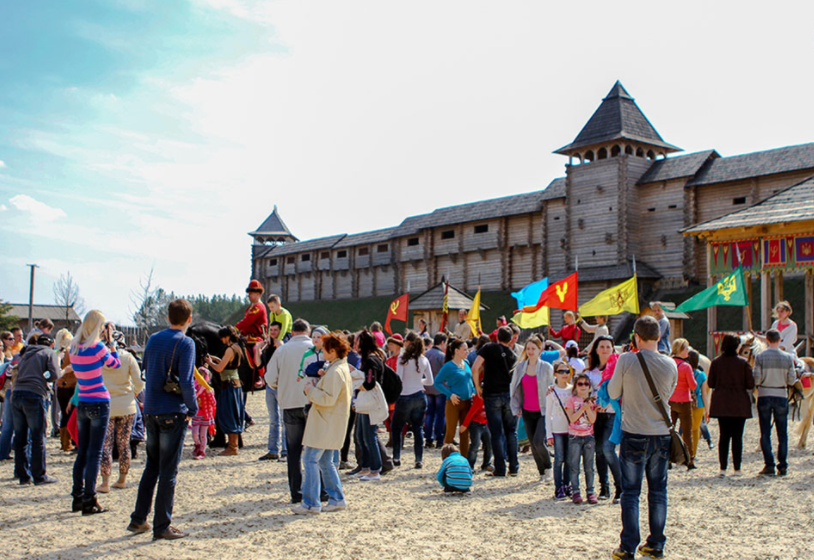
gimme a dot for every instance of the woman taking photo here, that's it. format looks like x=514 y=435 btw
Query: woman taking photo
x=230 y=414
x=454 y=381
x=415 y=373
x=123 y=384
x=372 y=367
x=325 y=429
x=680 y=401
x=88 y=356
x=606 y=456
x=530 y=383
x=731 y=381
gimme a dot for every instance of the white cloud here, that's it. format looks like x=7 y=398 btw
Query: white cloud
x=3 y=207
x=39 y=212
x=2 y=164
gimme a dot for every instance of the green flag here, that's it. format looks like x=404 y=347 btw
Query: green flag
x=728 y=291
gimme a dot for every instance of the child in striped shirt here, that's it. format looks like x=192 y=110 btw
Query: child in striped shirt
x=455 y=474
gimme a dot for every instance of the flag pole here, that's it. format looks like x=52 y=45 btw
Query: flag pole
x=743 y=277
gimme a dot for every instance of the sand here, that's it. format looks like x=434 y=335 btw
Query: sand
x=238 y=507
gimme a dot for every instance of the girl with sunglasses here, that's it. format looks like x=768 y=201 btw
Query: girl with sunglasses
x=581 y=409
x=556 y=426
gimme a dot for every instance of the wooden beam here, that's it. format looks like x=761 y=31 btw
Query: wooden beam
x=778 y=286
x=747 y=310
x=712 y=312
x=809 y=315
x=765 y=300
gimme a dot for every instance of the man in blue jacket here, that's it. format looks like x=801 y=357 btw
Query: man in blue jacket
x=166 y=417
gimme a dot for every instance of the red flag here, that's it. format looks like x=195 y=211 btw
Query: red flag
x=398 y=310
x=445 y=313
x=559 y=295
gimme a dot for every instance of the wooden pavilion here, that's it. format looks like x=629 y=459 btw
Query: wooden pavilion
x=770 y=239
x=430 y=306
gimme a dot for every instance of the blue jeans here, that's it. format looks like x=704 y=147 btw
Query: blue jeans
x=91 y=422
x=295 y=419
x=434 y=418
x=503 y=427
x=368 y=443
x=479 y=433
x=562 y=477
x=7 y=433
x=409 y=408
x=165 y=442
x=777 y=407
x=581 y=447
x=324 y=462
x=641 y=456
x=276 y=442
x=29 y=412
x=606 y=456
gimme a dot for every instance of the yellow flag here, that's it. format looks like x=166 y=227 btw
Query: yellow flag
x=532 y=320
x=473 y=317
x=613 y=301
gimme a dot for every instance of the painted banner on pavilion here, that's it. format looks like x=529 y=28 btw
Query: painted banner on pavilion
x=785 y=252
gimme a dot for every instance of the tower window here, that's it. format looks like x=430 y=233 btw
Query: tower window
x=341 y=254
x=324 y=255
x=448 y=234
x=305 y=258
x=382 y=248
x=739 y=200
x=273 y=262
x=673 y=206
x=412 y=242
x=363 y=251
x=483 y=228
x=290 y=260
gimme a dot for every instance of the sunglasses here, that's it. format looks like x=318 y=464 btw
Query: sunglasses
x=562 y=371
x=583 y=384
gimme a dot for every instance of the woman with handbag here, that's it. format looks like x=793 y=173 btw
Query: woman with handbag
x=731 y=381
x=530 y=382
x=372 y=367
x=230 y=413
x=325 y=429
x=88 y=355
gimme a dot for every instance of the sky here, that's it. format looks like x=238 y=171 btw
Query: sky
x=140 y=135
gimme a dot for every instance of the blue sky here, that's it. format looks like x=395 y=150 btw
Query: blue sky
x=138 y=134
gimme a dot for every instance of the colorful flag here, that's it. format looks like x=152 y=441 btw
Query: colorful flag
x=445 y=311
x=728 y=291
x=804 y=249
x=473 y=317
x=398 y=311
x=774 y=251
x=613 y=301
x=529 y=296
x=559 y=295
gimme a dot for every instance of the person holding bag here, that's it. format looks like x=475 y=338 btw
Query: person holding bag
x=372 y=367
x=644 y=381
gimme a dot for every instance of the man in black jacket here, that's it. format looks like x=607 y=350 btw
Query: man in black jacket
x=39 y=366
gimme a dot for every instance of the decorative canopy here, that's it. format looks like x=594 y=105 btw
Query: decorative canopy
x=434 y=299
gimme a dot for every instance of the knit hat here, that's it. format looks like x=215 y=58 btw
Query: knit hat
x=396 y=339
x=255 y=286
x=321 y=331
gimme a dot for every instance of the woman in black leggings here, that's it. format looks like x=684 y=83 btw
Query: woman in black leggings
x=730 y=378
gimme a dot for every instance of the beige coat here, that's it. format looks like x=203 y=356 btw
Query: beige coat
x=123 y=384
x=330 y=410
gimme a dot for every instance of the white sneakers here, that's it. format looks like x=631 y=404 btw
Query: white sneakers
x=548 y=476
x=370 y=477
x=300 y=509
x=334 y=507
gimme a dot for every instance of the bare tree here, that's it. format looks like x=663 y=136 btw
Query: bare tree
x=150 y=303
x=66 y=294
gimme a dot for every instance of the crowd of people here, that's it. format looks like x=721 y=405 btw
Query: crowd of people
x=600 y=412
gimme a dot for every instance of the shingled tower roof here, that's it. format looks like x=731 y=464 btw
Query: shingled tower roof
x=617 y=118
x=273 y=229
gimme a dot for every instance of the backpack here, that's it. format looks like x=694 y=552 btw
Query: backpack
x=391 y=385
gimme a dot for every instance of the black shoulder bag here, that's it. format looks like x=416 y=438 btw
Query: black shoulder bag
x=172 y=384
x=678 y=451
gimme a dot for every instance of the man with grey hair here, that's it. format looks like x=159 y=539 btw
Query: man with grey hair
x=645 y=446
x=774 y=374
x=664 y=327
x=283 y=374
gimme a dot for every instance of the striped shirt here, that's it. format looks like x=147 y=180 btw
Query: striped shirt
x=87 y=362
x=456 y=472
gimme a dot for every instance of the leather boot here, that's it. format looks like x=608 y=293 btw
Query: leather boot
x=65 y=439
x=231 y=448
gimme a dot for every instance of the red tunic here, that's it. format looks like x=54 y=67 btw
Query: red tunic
x=254 y=323
x=567 y=332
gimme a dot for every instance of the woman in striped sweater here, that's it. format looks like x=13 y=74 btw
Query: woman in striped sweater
x=88 y=355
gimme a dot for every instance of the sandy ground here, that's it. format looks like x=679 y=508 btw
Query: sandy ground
x=238 y=507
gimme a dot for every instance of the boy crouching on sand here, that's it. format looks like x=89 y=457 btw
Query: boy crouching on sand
x=455 y=474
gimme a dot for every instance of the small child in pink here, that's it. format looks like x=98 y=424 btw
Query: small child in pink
x=581 y=410
x=204 y=421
